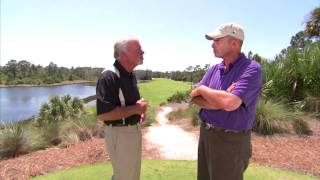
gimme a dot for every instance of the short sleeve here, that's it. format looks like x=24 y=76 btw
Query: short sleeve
x=249 y=84
x=106 y=93
x=206 y=78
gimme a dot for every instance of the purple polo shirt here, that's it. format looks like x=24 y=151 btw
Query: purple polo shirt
x=246 y=74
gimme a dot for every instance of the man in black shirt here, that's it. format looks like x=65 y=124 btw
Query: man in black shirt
x=121 y=108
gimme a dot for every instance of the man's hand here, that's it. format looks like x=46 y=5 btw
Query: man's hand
x=231 y=87
x=209 y=98
x=196 y=92
x=141 y=106
x=143 y=118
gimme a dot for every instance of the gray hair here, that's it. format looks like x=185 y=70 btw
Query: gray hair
x=240 y=42
x=121 y=45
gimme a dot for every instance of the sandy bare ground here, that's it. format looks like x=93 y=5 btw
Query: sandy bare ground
x=171 y=140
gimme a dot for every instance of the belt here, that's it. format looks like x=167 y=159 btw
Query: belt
x=120 y=123
x=208 y=126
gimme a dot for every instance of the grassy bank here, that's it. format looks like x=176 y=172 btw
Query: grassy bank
x=158 y=90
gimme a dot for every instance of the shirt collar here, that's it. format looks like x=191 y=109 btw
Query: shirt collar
x=121 y=69
x=234 y=64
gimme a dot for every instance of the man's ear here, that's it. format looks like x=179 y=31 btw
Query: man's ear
x=122 y=54
x=234 y=43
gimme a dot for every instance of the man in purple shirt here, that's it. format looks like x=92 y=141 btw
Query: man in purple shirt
x=227 y=95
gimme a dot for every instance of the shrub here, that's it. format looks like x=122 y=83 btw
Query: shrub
x=36 y=137
x=179 y=114
x=13 y=141
x=80 y=129
x=195 y=115
x=88 y=121
x=3 y=78
x=96 y=126
x=301 y=127
x=70 y=138
x=50 y=134
x=73 y=133
x=179 y=97
x=99 y=130
x=311 y=104
x=59 y=109
x=271 y=118
x=150 y=116
x=49 y=80
x=190 y=113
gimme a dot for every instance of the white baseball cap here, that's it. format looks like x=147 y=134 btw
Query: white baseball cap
x=228 y=29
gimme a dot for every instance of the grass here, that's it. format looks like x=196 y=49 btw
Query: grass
x=190 y=113
x=274 y=117
x=167 y=170
x=13 y=141
x=158 y=90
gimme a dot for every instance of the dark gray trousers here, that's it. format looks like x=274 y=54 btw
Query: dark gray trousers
x=223 y=155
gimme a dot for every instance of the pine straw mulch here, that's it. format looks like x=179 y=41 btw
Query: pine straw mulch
x=290 y=152
x=54 y=159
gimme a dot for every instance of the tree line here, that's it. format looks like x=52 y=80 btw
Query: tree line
x=23 y=72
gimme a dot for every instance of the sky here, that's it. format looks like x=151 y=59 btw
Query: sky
x=77 y=33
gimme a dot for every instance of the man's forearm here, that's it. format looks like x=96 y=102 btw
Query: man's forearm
x=214 y=96
x=118 y=113
x=221 y=99
x=203 y=103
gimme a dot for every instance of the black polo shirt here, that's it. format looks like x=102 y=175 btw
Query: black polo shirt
x=107 y=92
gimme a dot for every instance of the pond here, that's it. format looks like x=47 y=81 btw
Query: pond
x=20 y=103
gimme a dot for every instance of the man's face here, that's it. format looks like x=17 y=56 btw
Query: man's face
x=221 y=47
x=134 y=53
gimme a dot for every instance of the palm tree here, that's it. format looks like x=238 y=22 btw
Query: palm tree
x=59 y=109
x=299 y=40
x=311 y=68
x=76 y=105
x=43 y=114
x=312 y=29
x=311 y=101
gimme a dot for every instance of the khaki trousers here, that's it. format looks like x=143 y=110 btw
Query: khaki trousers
x=123 y=145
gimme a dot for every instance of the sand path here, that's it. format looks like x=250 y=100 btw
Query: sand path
x=172 y=141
